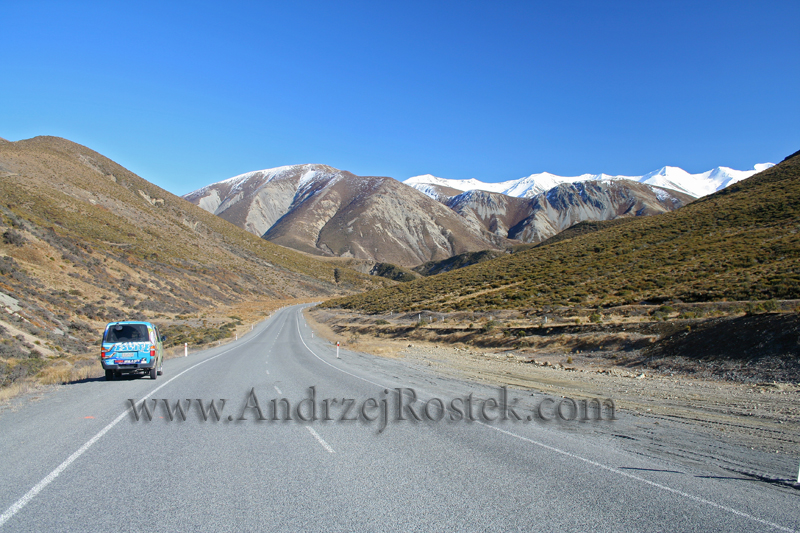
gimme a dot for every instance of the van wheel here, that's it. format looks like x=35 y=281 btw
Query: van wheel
x=153 y=373
x=109 y=375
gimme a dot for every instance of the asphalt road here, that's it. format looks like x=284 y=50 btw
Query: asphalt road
x=76 y=459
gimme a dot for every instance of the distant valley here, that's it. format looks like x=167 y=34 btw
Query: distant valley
x=85 y=241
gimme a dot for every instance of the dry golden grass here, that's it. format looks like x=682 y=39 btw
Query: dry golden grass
x=66 y=368
x=739 y=244
x=17 y=389
x=359 y=343
x=64 y=371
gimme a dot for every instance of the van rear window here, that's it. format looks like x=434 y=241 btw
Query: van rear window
x=127 y=333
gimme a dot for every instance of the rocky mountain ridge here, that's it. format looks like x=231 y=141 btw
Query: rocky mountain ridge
x=322 y=210
x=326 y=211
x=674 y=178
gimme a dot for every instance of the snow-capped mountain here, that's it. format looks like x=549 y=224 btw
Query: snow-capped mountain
x=322 y=210
x=675 y=178
x=325 y=211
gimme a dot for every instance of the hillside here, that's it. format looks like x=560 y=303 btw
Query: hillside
x=740 y=243
x=581 y=228
x=86 y=241
x=457 y=261
x=535 y=219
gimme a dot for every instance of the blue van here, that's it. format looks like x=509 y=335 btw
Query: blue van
x=132 y=348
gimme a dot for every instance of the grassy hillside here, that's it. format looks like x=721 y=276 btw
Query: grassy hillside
x=741 y=243
x=85 y=241
x=432 y=268
x=582 y=228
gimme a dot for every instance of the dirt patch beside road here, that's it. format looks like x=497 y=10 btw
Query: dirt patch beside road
x=759 y=415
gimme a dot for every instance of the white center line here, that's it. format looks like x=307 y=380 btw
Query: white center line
x=320 y=439
x=277 y=389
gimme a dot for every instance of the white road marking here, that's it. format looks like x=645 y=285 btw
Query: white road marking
x=320 y=439
x=267 y=372
x=574 y=456
x=22 y=502
x=277 y=389
x=637 y=478
x=333 y=366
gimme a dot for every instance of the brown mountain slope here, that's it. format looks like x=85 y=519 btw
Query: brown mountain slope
x=533 y=220
x=374 y=218
x=322 y=210
x=742 y=243
x=86 y=241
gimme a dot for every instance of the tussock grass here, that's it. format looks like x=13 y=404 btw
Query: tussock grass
x=66 y=372
x=740 y=244
x=86 y=242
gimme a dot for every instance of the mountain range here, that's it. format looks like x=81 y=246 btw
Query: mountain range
x=86 y=241
x=674 y=178
x=741 y=243
x=325 y=211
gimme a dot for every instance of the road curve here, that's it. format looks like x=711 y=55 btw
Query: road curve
x=77 y=458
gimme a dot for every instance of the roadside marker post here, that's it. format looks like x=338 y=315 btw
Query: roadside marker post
x=337 y=349
x=186 y=349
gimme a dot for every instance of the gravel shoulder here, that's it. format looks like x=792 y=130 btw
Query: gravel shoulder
x=750 y=429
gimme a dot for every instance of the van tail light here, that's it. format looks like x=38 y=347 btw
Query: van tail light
x=152 y=351
x=102 y=353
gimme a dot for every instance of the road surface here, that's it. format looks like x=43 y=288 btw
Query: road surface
x=77 y=458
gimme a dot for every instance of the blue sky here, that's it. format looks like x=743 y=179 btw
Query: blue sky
x=189 y=93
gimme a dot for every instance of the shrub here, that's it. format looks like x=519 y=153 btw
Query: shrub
x=490 y=325
x=14 y=238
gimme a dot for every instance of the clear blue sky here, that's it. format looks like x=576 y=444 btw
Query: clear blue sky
x=189 y=93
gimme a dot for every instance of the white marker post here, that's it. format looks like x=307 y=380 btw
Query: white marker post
x=337 y=349
x=186 y=349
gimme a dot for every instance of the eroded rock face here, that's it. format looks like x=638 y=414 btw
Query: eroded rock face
x=546 y=214
x=322 y=210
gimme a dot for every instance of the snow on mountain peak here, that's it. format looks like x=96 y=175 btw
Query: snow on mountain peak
x=668 y=177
